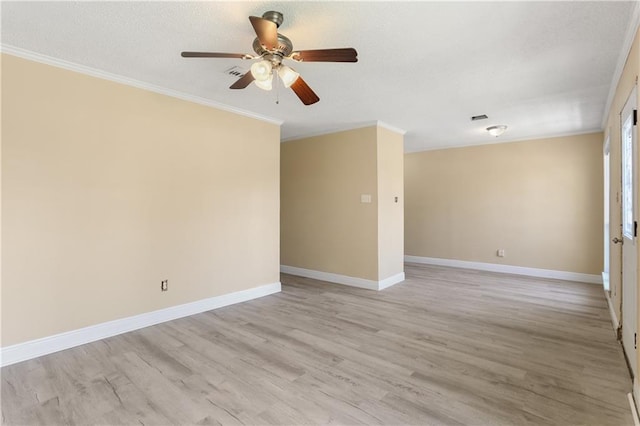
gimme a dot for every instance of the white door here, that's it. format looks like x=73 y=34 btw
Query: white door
x=629 y=230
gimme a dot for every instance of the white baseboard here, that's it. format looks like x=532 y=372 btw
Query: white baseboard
x=46 y=345
x=632 y=403
x=614 y=318
x=343 y=279
x=508 y=269
x=605 y=280
x=392 y=280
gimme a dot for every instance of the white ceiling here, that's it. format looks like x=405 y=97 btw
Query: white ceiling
x=542 y=68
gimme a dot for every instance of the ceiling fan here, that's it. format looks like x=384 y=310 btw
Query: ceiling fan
x=272 y=48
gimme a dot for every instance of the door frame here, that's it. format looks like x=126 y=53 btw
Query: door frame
x=629 y=216
x=606 y=166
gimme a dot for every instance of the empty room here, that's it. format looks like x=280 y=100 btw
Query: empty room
x=319 y=212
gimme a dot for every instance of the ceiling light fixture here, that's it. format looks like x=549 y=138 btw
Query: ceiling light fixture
x=261 y=70
x=496 y=130
x=263 y=77
x=265 y=84
x=264 y=71
x=287 y=75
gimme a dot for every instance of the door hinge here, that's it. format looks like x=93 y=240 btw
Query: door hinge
x=635 y=340
x=635 y=228
x=635 y=117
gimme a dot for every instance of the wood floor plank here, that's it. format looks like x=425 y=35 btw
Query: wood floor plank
x=446 y=346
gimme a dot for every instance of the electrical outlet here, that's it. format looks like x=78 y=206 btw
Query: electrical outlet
x=500 y=253
x=164 y=285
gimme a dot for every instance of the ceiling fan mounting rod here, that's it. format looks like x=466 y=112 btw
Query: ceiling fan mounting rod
x=273 y=16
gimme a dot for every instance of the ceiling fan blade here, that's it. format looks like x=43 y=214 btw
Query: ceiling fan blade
x=212 y=55
x=304 y=92
x=244 y=81
x=347 y=54
x=267 y=31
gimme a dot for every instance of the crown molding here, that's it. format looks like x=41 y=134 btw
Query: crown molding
x=93 y=72
x=629 y=37
x=392 y=128
x=346 y=128
x=503 y=141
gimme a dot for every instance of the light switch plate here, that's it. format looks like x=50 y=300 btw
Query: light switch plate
x=365 y=198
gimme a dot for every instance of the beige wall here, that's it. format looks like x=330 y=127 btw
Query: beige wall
x=390 y=212
x=324 y=226
x=540 y=200
x=108 y=189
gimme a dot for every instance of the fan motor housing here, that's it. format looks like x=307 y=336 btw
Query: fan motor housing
x=283 y=49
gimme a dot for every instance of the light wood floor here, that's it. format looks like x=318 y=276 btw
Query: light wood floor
x=446 y=346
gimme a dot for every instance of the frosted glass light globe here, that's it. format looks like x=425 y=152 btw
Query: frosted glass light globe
x=261 y=70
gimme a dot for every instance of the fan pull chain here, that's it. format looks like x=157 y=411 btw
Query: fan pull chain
x=277 y=88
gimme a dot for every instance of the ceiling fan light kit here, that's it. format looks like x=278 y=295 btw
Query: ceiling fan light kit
x=287 y=75
x=272 y=48
x=266 y=84
x=261 y=71
x=496 y=130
